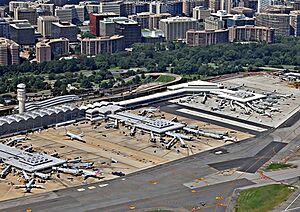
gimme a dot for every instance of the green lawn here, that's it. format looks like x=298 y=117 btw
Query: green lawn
x=165 y=78
x=262 y=199
x=117 y=68
x=274 y=166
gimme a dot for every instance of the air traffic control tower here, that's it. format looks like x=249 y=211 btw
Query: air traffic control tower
x=21 y=96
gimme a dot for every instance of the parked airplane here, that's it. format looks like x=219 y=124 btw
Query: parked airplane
x=79 y=165
x=25 y=176
x=16 y=140
x=68 y=171
x=30 y=185
x=42 y=175
x=5 y=171
x=149 y=110
x=73 y=136
x=87 y=173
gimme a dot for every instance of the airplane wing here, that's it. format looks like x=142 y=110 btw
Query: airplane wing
x=19 y=186
x=38 y=186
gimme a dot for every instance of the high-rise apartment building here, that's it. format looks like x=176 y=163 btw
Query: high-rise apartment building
x=295 y=23
x=94 y=46
x=280 y=22
x=206 y=37
x=43 y=52
x=9 y=52
x=175 y=28
x=45 y=25
x=251 y=33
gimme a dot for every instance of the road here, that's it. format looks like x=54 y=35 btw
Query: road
x=161 y=186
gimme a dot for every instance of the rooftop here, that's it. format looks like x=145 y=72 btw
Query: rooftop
x=178 y=19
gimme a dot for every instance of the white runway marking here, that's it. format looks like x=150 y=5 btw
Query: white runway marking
x=287 y=209
x=91 y=187
x=103 y=185
x=223 y=120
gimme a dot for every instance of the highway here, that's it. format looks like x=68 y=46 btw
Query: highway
x=162 y=186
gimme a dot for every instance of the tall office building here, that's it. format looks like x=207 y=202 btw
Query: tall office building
x=94 y=46
x=201 y=13
x=263 y=5
x=59 y=2
x=279 y=9
x=295 y=23
x=45 y=25
x=4 y=28
x=240 y=20
x=213 y=23
x=142 y=19
x=9 y=52
x=77 y=13
x=59 y=46
x=251 y=33
x=189 y=5
x=131 y=31
x=114 y=6
x=14 y=4
x=26 y=14
x=206 y=37
x=248 y=12
x=43 y=52
x=226 y=5
x=3 y=11
x=95 y=19
x=64 y=30
x=22 y=33
x=47 y=8
x=155 y=18
x=172 y=7
x=64 y=14
x=215 y=5
x=280 y=22
x=70 y=13
x=175 y=28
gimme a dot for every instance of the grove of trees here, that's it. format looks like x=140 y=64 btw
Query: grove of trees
x=160 y=57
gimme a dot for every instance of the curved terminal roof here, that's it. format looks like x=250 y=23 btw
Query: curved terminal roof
x=51 y=102
x=35 y=114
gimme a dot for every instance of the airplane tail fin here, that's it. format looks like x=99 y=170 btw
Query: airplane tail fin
x=66 y=131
